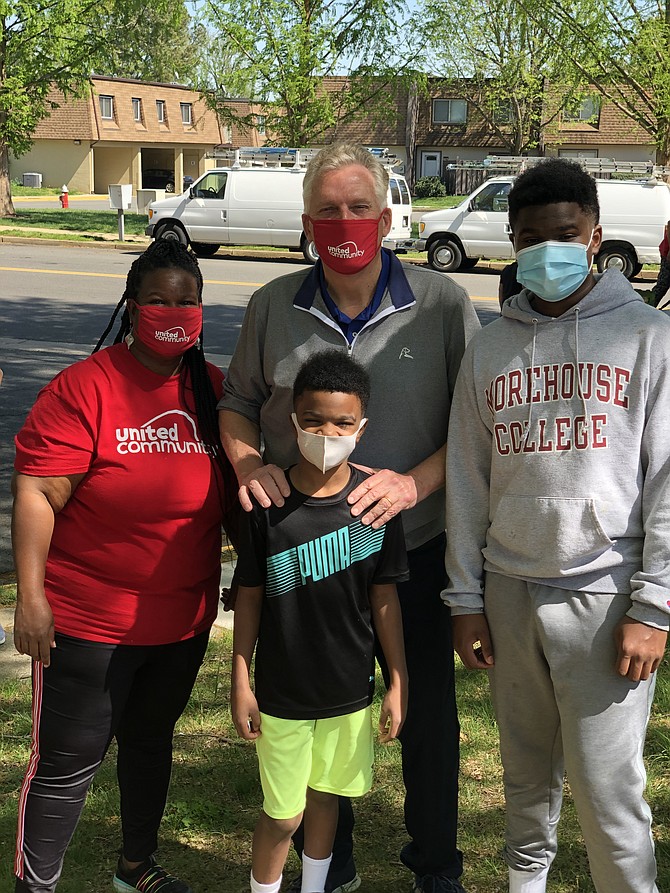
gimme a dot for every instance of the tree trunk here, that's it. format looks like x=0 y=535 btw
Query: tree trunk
x=6 y=205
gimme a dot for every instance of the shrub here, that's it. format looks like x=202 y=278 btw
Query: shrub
x=429 y=187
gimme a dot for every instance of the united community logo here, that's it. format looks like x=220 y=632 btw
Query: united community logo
x=345 y=251
x=175 y=335
x=165 y=433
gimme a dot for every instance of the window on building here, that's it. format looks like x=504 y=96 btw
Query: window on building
x=450 y=111
x=160 y=111
x=502 y=111
x=227 y=133
x=586 y=111
x=260 y=124
x=186 y=113
x=137 y=111
x=107 y=108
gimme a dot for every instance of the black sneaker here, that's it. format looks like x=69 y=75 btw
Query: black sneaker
x=342 y=886
x=436 y=883
x=148 y=878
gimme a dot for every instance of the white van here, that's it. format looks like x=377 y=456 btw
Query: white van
x=256 y=206
x=632 y=215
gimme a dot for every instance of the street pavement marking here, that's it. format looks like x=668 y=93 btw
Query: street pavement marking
x=116 y=275
x=206 y=281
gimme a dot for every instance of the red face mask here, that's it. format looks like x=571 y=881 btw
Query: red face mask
x=347 y=246
x=167 y=331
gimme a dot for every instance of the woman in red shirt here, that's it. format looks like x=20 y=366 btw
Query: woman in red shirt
x=120 y=493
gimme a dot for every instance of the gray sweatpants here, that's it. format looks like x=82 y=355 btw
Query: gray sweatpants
x=561 y=707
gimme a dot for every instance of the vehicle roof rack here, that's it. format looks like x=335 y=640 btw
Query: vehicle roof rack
x=281 y=156
x=516 y=164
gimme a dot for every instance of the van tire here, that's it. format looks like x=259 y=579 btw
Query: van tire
x=172 y=231
x=469 y=263
x=444 y=256
x=617 y=256
x=309 y=250
x=203 y=249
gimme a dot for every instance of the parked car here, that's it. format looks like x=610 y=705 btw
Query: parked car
x=158 y=178
x=632 y=215
x=256 y=206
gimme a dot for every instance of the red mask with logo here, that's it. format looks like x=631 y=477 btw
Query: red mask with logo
x=347 y=246
x=167 y=331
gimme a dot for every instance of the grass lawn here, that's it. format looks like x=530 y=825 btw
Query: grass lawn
x=215 y=798
x=436 y=204
x=75 y=221
x=19 y=191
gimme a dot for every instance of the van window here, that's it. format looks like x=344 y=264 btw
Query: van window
x=404 y=192
x=212 y=185
x=492 y=198
x=395 y=192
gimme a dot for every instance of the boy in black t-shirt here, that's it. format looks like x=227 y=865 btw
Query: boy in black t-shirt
x=313 y=581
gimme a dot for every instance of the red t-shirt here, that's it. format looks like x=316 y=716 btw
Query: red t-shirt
x=135 y=554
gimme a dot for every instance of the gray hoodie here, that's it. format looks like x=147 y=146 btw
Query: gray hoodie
x=558 y=465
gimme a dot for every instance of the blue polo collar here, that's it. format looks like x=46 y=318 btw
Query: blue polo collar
x=398 y=287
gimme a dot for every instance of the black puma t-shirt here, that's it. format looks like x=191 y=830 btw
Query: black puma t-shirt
x=315 y=651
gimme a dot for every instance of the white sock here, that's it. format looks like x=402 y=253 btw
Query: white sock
x=264 y=888
x=528 y=881
x=314 y=873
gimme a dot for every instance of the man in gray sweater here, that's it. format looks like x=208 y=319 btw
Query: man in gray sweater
x=409 y=328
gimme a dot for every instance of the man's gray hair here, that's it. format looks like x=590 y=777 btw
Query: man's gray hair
x=338 y=155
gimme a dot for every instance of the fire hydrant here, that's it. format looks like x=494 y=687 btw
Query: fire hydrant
x=63 y=198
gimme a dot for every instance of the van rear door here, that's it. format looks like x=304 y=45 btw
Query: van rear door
x=205 y=216
x=400 y=202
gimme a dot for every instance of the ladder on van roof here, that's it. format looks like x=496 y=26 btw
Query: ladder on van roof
x=281 y=156
x=516 y=164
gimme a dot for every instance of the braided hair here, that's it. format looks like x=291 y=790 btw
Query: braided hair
x=165 y=254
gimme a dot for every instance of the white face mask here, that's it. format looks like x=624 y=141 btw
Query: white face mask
x=325 y=450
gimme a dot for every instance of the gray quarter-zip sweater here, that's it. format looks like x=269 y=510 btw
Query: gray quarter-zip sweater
x=559 y=452
x=411 y=347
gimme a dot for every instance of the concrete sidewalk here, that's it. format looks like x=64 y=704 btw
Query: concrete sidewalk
x=17 y=666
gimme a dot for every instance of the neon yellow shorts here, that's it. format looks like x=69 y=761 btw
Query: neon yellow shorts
x=332 y=755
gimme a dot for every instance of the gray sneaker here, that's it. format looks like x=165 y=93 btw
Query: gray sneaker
x=3 y=637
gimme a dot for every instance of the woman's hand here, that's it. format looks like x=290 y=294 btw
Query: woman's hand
x=34 y=629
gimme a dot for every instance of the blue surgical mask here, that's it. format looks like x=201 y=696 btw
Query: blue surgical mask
x=553 y=270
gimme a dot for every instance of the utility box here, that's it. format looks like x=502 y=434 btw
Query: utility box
x=146 y=196
x=120 y=195
x=34 y=180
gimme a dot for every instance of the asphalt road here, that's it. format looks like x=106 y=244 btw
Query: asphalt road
x=55 y=302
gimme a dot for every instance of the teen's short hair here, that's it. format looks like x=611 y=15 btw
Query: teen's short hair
x=550 y=182
x=335 y=372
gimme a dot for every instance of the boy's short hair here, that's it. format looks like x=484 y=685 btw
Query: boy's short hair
x=553 y=181
x=335 y=372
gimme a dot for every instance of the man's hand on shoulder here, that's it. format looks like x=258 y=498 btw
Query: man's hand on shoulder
x=384 y=493
x=639 y=649
x=266 y=485
x=472 y=640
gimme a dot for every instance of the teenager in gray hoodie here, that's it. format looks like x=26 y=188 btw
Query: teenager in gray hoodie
x=558 y=518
